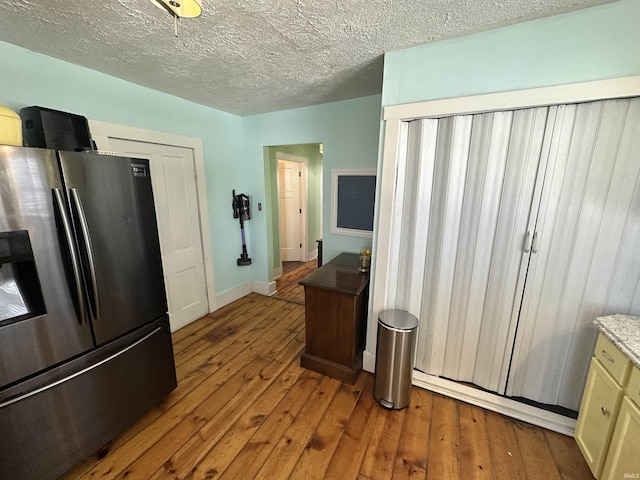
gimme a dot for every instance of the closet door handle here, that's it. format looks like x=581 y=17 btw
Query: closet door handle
x=527 y=237
x=534 y=242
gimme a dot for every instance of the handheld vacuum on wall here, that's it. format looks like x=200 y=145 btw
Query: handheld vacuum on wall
x=242 y=211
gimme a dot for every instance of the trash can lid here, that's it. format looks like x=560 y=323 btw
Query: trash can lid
x=398 y=319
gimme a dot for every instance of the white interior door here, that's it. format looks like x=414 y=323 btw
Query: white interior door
x=290 y=210
x=175 y=194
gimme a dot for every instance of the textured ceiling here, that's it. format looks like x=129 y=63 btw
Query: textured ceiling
x=254 y=56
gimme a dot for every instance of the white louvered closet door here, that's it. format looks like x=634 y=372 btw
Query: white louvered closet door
x=480 y=173
x=587 y=260
x=514 y=230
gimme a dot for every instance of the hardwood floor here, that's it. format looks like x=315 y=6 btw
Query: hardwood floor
x=290 y=266
x=287 y=287
x=244 y=409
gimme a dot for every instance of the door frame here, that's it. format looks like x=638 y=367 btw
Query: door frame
x=395 y=121
x=393 y=137
x=304 y=231
x=101 y=132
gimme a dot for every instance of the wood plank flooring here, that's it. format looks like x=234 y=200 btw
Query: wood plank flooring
x=244 y=409
x=287 y=287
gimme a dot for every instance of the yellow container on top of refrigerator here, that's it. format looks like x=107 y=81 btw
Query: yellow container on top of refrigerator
x=10 y=127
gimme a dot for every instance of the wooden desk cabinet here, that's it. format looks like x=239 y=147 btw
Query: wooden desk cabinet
x=336 y=297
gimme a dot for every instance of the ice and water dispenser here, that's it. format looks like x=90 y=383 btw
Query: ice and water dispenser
x=20 y=293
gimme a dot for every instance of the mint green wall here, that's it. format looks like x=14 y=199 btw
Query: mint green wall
x=349 y=133
x=310 y=151
x=29 y=78
x=596 y=43
x=591 y=44
x=233 y=146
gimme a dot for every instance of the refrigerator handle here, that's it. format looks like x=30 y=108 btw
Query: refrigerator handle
x=84 y=228
x=75 y=264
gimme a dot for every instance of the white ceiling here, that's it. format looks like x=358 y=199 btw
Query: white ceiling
x=254 y=56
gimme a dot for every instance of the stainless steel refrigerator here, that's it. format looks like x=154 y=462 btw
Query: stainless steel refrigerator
x=85 y=345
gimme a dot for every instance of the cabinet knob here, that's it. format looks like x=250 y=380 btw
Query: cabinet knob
x=607 y=356
x=604 y=411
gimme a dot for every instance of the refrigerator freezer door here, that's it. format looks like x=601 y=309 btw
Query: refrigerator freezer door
x=54 y=420
x=37 y=261
x=113 y=213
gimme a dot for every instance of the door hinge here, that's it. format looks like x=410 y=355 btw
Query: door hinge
x=299 y=174
x=300 y=245
x=300 y=210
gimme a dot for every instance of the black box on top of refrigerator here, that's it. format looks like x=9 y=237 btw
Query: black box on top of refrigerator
x=56 y=130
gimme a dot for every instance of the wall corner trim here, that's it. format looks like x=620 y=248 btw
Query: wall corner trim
x=263 y=288
x=515 y=99
x=496 y=403
x=234 y=294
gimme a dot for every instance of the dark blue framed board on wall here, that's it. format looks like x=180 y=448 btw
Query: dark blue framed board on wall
x=353 y=201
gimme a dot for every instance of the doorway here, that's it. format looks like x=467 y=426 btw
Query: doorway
x=287 y=284
x=307 y=158
x=283 y=164
x=180 y=212
x=177 y=213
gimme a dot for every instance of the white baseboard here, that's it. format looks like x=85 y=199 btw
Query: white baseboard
x=480 y=398
x=175 y=327
x=263 y=288
x=277 y=272
x=234 y=294
x=368 y=362
x=312 y=254
x=496 y=403
x=246 y=288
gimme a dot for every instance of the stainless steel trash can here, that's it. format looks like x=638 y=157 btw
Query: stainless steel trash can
x=394 y=358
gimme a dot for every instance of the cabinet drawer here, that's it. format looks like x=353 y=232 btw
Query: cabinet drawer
x=633 y=387
x=612 y=359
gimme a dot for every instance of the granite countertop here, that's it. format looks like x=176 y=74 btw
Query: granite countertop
x=624 y=332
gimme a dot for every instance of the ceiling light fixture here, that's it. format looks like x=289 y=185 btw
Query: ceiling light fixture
x=179 y=8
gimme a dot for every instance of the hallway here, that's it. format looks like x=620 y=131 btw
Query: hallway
x=287 y=287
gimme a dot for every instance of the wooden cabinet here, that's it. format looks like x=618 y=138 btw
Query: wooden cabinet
x=598 y=414
x=623 y=455
x=336 y=297
x=607 y=433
